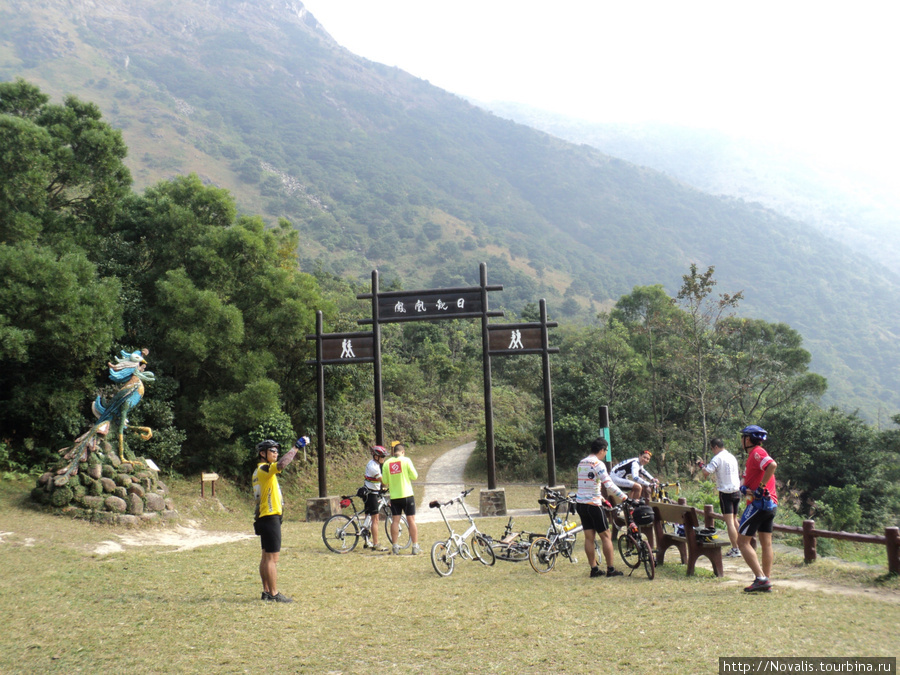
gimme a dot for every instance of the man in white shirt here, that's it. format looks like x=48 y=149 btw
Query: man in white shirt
x=728 y=482
x=589 y=505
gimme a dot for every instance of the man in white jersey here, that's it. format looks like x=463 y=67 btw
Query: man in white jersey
x=373 y=486
x=589 y=505
x=728 y=482
x=632 y=476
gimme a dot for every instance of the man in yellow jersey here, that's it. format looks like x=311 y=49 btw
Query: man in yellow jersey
x=398 y=473
x=269 y=511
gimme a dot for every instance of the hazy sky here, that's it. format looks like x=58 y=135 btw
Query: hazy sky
x=818 y=76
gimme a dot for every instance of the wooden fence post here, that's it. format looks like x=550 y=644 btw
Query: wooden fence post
x=809 y=542
x=892 y=543
x=708 y=519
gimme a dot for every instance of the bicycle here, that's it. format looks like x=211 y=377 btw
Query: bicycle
x=632 y=543
x=659 y=493
x=561 y=535
x=341 y=533
x=512 y=546
x=445 y=552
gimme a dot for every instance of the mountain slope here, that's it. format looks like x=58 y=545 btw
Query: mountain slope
x=379 y=169
x=857 y=207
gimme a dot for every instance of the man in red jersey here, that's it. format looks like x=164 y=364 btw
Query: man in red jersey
x=758 y=484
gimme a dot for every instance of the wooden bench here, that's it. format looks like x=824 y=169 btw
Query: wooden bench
x=689 y=546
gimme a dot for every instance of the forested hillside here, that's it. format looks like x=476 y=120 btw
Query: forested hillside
x=376 y=169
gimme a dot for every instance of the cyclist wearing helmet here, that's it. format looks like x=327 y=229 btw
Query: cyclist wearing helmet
x=373 y=486
x=632 y=476
x=758 y=484
x=270 y=510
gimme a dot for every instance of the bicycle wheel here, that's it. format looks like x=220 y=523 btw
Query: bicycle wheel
x=481 y=547
x=340 y=533
x=646 y=556
x=628 y=551
x=403 y=539
x=542 y=555
x=442 y=559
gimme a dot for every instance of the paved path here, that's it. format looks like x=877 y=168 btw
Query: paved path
x=444 y=481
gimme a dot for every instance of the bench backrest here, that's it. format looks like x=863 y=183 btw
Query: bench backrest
x=675 y=513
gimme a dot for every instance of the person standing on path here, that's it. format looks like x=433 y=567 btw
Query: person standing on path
x=589 y=505
x=398 y=473
x=728 y=482
x=759 y=485
x=270 y=511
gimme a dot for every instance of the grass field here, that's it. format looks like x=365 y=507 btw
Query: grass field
x=67 y=608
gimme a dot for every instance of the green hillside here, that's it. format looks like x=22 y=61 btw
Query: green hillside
x=377 y=169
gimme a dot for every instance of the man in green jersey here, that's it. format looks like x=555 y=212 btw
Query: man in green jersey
x=398 y=473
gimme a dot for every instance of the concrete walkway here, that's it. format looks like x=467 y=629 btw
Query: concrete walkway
x=444 y=481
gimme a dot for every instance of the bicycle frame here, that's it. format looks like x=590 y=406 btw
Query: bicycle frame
x=341 y=533
x=560 y=538
x=632 y=545
x=513 y=546
x=444 y=552
x=660 y=494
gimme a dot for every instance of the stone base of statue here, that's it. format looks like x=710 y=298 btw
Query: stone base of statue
x=106 y=489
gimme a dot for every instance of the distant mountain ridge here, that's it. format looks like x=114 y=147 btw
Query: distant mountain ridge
x=378 y=169
x=856 y=209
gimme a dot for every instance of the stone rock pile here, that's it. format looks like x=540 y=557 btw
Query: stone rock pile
x=107 y=490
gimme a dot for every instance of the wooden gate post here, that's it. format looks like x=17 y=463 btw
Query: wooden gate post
x=892 y=543
x=809 y=542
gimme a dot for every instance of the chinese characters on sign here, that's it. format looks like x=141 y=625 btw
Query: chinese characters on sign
x=427 y=305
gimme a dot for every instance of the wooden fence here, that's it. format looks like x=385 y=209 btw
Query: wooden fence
x=809 y=533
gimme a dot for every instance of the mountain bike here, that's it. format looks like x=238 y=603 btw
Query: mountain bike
x=561 y=534
x=342 y=533
x=445 y=552
x=659 y=493
x=632 y=543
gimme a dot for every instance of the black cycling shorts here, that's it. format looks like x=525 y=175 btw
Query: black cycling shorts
x=371 y=506
x=592 y=517
x=269 y=530
x=730 y=502
x=756 y=519
x=405 y=505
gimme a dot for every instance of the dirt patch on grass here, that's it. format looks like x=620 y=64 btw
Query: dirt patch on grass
x=180 y=538
x=736 y=570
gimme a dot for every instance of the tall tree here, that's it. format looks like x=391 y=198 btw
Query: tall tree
x=702 y=337
x=766 y=367
x=61 y=174
x=651 y=318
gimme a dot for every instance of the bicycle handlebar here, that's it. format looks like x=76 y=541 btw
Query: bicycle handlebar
x=435 y=504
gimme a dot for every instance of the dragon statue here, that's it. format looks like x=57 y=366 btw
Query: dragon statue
x=128 y=370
